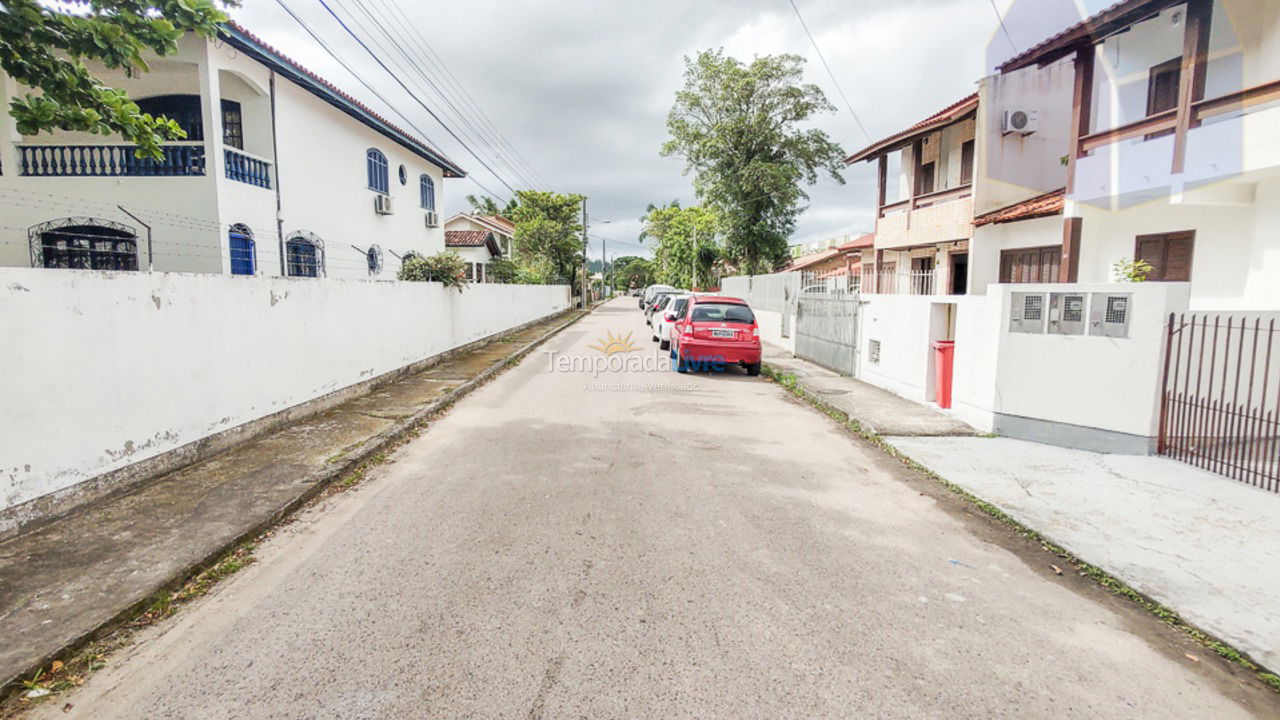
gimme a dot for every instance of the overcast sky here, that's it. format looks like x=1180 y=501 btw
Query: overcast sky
x=581 y=90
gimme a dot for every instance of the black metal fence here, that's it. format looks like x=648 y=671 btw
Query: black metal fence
x=1220 y=407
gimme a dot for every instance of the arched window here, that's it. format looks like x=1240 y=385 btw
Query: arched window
x=377 y=167
x=427 y=191
x=374 y=258
x=244 y=252
x=84 y=243
x=304 y=255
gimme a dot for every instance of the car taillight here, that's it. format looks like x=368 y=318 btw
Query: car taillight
x=755 y=331
x=687 y=330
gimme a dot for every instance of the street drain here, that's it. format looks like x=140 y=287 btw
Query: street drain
x=832 y=391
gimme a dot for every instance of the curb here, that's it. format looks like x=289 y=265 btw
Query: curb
x=1103 y=578
x=317 y=482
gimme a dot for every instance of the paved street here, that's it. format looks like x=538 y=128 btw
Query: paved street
x=644 y=544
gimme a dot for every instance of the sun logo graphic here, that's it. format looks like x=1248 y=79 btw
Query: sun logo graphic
x=611 y=344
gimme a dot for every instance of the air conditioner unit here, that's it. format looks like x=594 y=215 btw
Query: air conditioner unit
x=1023 y=122
x=382 y=204
x=433 y=220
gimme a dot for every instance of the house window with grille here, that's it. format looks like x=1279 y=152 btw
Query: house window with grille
x=376 y=166
x=244 y=260
x=873 y=352
x=84 y=244
x=304 y=256
x=427 y=192
x=232 y=125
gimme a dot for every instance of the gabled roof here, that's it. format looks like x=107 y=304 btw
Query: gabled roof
x=805 y=261
x=471 y=238
x=1087 y=32
x=1045 y=205
x=496 y=223
x=942 y=118
x=864 y=241
x=254 y=47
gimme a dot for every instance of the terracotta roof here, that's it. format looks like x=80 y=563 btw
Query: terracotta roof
x=805 y=261
x=1088 y=31
x=497 y=222
x=466 y=238
x=255 y=47
x=865 y=241
x=945 y=116
x=1037 y=207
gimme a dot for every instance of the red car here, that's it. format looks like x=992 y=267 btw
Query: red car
x=714 y=332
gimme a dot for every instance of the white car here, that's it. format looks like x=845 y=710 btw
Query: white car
x=647 y=298
x=667 y=315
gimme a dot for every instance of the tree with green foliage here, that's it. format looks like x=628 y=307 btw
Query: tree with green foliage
x=631 y=271
x=548 y=235
x=502 y=270
x=687 y=244
x=485 y=205
x=45 y=48
x=446 y=267
x=737 y=127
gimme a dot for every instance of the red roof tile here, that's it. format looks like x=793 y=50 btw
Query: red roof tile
x=865 y=241
x=465 y=238
x=805 y=261
x=1040 y=206
x=945 y=116
x=499 y=223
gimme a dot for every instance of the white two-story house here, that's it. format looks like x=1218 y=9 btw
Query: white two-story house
x=479 y=240
x=280 y=173
x=1155 y=134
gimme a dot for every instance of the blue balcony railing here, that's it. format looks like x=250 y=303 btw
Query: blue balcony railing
x=108 y=161
x=247 y=169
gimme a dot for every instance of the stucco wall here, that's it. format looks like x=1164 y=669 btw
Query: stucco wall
x=106 y=370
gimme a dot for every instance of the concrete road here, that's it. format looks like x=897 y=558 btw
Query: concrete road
x=645 y=544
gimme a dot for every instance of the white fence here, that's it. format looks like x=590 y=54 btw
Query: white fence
x=763 y=292
x=103 y=370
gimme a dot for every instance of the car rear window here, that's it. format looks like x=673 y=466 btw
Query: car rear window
x=722 y=312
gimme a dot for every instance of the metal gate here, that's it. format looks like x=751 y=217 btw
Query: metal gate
x=827 y=330
x=1220 y=405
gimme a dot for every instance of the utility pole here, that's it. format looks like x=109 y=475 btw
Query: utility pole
x=604 y=267
x=584 y=253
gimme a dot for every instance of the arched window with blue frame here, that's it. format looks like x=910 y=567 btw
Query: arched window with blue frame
x=427 y=191
x=376 y=164
x=244 y=252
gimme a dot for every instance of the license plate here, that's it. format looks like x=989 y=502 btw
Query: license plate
x=717 y=332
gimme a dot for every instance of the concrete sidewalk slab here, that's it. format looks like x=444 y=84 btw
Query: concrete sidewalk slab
x=1202 y=544
x=875 y=409
x=62 y=582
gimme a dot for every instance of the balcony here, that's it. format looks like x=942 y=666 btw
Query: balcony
x=178 y=159
x=1226 y=136
x=246 y=168
x=915 y=282
x=925 y=219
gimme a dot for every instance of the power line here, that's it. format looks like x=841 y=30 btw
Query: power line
x=418 y=69
x=832 y=75
x=1000 y=17
x=366 y=84
x=415 y=98
x=453 y=80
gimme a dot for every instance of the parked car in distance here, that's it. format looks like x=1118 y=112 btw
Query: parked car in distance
x=652 y=307
x=666 y=316
x=646 y=298
x=715 y=332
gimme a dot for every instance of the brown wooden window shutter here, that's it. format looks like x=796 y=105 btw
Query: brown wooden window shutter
x=1169 y=255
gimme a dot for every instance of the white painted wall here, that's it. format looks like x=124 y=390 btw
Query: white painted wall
x=110 y=369
x=990 y=240
x=901 y=324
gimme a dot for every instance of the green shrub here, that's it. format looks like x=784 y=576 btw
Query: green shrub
x=444 y=267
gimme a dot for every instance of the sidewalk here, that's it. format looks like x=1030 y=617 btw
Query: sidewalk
x=1202 y=544
x=876 y=410
x=1198 y=543
x=62 y=582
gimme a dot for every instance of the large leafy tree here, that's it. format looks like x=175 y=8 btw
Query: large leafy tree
x=631 y=271
x=549 y=233
x=47 y=49
x=739 y=128
x=686 y=243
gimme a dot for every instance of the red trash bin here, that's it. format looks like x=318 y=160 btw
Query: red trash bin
x=944 y=352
